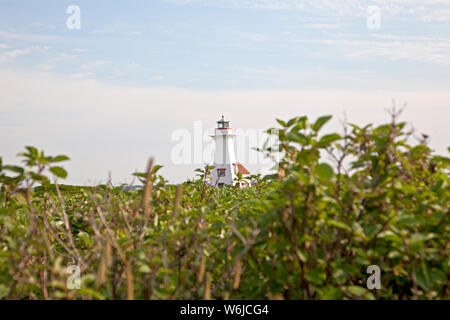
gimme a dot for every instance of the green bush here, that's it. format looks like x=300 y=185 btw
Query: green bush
x=338 y=204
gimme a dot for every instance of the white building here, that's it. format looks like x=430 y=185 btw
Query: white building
x=226 y=166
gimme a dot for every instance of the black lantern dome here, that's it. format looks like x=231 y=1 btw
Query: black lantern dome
x=222 y=124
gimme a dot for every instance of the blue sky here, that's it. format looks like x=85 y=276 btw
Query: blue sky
x=231 y=44
x=137 y=70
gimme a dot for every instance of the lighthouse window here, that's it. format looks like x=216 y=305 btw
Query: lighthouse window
x=221 y=172
x=223 y=124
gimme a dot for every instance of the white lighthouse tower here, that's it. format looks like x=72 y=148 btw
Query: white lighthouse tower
x=225 y=165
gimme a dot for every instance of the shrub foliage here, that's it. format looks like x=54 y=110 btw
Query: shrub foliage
x=338 y=204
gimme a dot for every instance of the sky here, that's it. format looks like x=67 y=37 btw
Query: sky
x=112 y=92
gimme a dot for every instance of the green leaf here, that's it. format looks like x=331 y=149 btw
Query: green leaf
x=338 y=224
x=90 y=292
x=141 y=174
x=273 y=176
x=145 y=269
x=292 y=121
x=33 y=152
x=409 y=219
x=437 y=277
x=330 y=293
x=340 y=276
x=298 y=137
x=324 y=171
x=320 y=122
x=301 y=255
x=156 y=168
x=281 y=122
x=39 y=177
x=3 y=291
x=300 y=122
x=59 y=172
x=421 y=279
x=316 y=276
x=327 y=139
x=15 y=169
x=356 y=290
x=84 y=236
x=60 y=158
x=355 y=127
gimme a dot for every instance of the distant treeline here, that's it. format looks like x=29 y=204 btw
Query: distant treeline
x=72 y=189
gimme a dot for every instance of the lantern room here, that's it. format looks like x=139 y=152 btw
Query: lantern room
x=222 y=124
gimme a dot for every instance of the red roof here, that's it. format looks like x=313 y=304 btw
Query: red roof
x=240 y=168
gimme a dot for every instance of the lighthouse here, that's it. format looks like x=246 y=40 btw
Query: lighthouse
x=225 y=165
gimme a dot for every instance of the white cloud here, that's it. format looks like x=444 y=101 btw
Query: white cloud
x=248 y=4
x=133 y=65
x=440 y=15
x=157 y=78
x=323 y=26
x=95 y=64
x=50 y=64
x=18 y=52
x=7 y=56
x=422 y=49
x=28 y=37
x=81 y=75
x=425 y=10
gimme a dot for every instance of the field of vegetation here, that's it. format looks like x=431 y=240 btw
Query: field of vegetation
x=338 y=204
